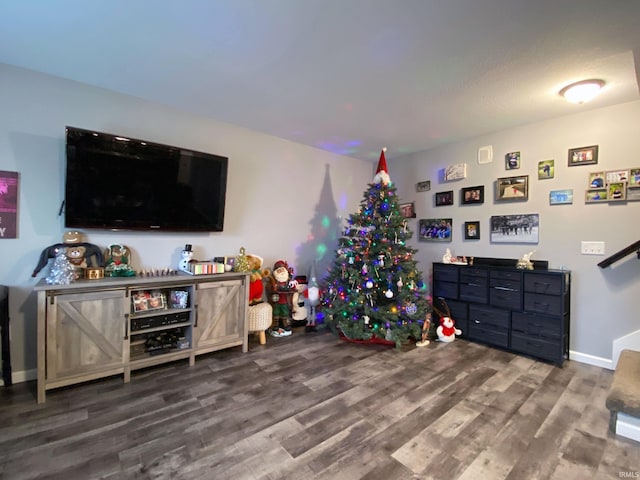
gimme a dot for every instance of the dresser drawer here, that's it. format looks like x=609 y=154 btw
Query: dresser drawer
x=472 y=274
x=473 y=293
x=491 y=336
x=488 y=317
x=536 y=325
x=547 y=304
x=445 y=289
x=459 y=313
x=537 y=347
x=541 y=283
x=506 y=275
x=445 y=273
x=505 y=293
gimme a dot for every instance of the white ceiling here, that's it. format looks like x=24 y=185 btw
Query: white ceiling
x=347 y=76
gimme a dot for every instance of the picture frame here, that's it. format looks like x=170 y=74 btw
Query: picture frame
x=613 y=176
x=583 y=156
x=472 y=195
x=512 y=161
x=435 y=229
x=634 y=177
x=407 y=210
x=633 y=194
x=144 y=301
x=423 y=186
x=444 y=198
x=546 y=169
x=617 y=191
x=561 y=197
x=596 y=195
x=520 y=228
x=455 y=172
x=596 y=179
x=512 y=188
x=472 y=230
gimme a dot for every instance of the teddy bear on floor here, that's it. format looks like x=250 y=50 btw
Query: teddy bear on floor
x=447 y=331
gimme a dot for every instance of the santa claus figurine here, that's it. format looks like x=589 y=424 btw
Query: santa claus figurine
x=280 y=295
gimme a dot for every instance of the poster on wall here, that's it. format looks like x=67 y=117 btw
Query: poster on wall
x=8 y=204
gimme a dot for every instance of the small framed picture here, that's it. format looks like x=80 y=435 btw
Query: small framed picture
x=512 y=160
x=634 y=177
x=596 y=195
x=424 y=186
x=444 y=198
x=455 y=172
x=407 y=210
x=435 y=229
x=617 y=191
x=472 y=230
x=546 y=169
x=472 y=195
x=513 y=188
x=633 y=194
x=617 y=176
x=560 y=197
x=596 y=180
x=583 y=156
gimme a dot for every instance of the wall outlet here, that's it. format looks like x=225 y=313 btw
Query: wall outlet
x=592 y=248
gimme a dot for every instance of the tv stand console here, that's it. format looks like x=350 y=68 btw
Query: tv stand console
x=91 y=329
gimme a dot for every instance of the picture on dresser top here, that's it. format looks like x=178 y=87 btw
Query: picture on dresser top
x=522 y=228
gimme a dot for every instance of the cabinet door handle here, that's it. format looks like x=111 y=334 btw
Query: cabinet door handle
x=195 y=323
x=126 y=326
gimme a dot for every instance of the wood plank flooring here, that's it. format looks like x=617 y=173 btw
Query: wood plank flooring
x=311 y=406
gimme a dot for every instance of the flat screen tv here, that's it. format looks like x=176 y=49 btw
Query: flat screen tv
x=121 y=183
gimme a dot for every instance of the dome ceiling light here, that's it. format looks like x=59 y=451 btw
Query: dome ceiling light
x=583 y=91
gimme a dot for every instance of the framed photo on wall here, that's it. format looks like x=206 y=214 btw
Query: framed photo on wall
x=444 y=198
x=472 y=230
x=472 y=195
x=522 y=228
x=407 y=210
x=435 y=229
x=583 y=156
x=546 y=169
x=512 y=160
x=513 y=188
x=561 y=197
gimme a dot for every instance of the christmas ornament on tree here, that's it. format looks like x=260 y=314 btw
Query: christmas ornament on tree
x=62 y=272
x=367 y=298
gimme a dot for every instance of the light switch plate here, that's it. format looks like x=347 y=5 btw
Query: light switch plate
x=592 y=248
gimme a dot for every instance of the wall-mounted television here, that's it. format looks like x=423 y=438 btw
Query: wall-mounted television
x=116 y=182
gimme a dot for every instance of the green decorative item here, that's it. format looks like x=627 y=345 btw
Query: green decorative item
x=242 y=264
x=374 y=292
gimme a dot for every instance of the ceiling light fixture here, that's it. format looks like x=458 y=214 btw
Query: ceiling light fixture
x=583 y=91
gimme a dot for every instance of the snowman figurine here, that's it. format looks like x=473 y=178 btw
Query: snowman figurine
x=186 y=256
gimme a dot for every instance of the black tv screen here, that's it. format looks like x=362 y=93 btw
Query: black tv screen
x=121 y=183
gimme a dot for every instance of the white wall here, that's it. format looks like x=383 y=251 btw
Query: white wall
x=284 y=200
x=604 y=301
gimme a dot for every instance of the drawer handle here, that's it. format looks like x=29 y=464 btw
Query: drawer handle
x=506 y=289
x=474 y=284
x=545 y=305
x=477 y=322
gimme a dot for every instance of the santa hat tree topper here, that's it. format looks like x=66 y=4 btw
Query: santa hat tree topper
x=382 y=174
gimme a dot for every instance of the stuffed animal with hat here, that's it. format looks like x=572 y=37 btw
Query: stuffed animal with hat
x=447 y=330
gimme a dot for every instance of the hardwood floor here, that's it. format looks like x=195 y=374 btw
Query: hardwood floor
x=311 y=406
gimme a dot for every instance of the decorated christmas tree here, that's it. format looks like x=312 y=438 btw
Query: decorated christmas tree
x=374 y=290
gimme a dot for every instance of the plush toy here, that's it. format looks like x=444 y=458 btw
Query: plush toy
x=256 y=287
x=299 y=299
x=75 y=254
x=71 y=240
x=281 y=289
x=447 y=331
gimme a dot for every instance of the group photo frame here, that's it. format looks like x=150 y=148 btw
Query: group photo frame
x=435 y=229
x=472 y=195
x=520 y=228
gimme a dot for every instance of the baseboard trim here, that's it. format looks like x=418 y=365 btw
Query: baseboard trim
x=628 y=426
x=22 y=376
x=592 y=360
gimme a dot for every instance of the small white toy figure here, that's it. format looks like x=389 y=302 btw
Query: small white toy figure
x=312 y=300
x=185 y=258
x=447 y=331
x=446 y=258
x=298 y=310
